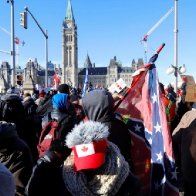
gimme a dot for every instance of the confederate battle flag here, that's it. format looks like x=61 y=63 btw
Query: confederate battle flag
x=142 y=109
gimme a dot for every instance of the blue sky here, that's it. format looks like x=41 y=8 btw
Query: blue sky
x=106 y=28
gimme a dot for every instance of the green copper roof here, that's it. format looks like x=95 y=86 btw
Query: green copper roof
x=69 y=11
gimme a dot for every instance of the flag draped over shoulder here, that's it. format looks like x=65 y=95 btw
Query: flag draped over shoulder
x=142 y=109
x=85 y=87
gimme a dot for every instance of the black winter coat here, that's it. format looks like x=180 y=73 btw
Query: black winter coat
x=16 y=156
x=14 y=113
x=47 y=178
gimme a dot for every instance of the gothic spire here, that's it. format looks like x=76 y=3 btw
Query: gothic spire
x=69 y=12
x=88 y=63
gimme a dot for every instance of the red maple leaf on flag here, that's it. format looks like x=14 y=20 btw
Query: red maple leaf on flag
x=84 y=149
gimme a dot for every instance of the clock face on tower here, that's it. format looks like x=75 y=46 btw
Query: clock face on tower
x=69 y=25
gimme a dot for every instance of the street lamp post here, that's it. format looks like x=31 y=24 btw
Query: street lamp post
x=12 y=42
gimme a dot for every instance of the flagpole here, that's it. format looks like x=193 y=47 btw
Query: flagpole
x=176 y=41
x=151 y=61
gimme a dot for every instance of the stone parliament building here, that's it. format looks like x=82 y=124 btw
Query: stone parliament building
x=69 y=72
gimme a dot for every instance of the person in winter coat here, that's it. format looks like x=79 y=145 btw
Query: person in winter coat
x=15 y=155
x=47 y=175
x=99 y=106
x=170 y=106
x=43 y=110
x=184 y=142
x=183 y=106
x=7 y=185
x=46 y=178
x=64 y=113
x=12 y=110
x=96 y=166
x=32 y=124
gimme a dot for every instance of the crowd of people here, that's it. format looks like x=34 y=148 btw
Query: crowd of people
x=90 y=155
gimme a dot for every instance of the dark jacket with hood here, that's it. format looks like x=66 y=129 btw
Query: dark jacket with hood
x=98 y=106
x=15 y=155
x=12 y=110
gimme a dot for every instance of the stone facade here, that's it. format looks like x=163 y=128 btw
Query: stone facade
x=106 y=76
x=29 y=77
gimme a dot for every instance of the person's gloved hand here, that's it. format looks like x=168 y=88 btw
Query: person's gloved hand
x=60 y=149
x=56 y=154
x=50 y=157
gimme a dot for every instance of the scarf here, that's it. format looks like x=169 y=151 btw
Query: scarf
x=107 y=180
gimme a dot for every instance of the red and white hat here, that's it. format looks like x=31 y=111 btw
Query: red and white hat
x=89 y=142
x=89 y=156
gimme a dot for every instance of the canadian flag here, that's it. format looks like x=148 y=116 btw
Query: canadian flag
x=17 y=40
x=56 y=80
x=84 y=150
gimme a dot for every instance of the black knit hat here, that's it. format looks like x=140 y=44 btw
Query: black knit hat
x=63 y=88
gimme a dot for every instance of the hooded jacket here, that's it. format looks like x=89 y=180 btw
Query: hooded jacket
x=98 y=106
x=15 y=155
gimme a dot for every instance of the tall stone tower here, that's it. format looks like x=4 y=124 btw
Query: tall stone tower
x=69 y=49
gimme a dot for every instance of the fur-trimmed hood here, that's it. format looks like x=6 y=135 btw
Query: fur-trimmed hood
x=87 y=132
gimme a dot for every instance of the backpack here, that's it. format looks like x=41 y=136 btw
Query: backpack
x=48 y=134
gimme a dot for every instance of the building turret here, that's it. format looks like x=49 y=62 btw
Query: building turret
x=88 y=63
